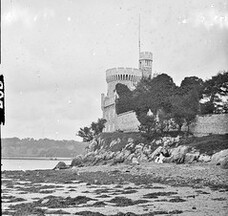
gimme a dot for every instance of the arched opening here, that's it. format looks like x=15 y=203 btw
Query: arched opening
x=126 y=77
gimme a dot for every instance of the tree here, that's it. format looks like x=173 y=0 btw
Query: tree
x=214 y=89
x=207 y=108
x=97 y=127
x=190 y=83
x=153 y=94
x=147 y=126
x=124 y=101
x=88 y=133
x=185 y=108
x=178 y=110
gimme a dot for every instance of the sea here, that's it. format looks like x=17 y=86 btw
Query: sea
x=31 y=163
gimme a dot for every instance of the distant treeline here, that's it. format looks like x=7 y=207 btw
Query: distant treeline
x=29 y=147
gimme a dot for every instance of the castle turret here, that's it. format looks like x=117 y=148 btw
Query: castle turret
x=126 y=76
x=145 y=63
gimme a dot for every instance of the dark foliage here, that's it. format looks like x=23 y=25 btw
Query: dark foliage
x=124 y=100
x=213 y=89
x=88 y=133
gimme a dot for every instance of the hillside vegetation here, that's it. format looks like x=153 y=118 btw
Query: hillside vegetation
x=15 y=147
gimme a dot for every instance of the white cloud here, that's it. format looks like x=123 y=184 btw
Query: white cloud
x=16 y=14
x=26 y=16
x=211 y=18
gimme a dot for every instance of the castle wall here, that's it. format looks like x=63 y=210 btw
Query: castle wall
x=204 y=125
x=127 y=122
x=210 y=124
x=110 y=115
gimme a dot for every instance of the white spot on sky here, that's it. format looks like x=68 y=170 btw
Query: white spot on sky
x=68 y=19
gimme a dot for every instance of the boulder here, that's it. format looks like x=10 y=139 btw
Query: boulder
x=142 y=157
x=60 y=165
x=177 y=155
x=129 y=158
x=147 y=150
x=114 y=142
x=224 y=163
x=204 y=158
x=92 y=146
x=89 y=158
x=126 y=153
x=156 y=153
x=110 y=155
x=218 y=157
x=159 y=159
x=190 y=157
x=77 y=161
x=134 y=160
x=165 y=152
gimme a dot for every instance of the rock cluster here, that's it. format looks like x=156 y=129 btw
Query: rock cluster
x=164 y=150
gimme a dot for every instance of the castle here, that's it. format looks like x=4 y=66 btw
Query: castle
x=129 y=77
x=204 y=125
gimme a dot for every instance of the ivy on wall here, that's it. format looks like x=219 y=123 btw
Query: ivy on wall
x=124 y=102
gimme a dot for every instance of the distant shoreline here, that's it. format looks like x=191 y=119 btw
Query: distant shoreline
x=36 y=158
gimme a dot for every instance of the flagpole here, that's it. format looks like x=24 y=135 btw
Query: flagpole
x=139 y=37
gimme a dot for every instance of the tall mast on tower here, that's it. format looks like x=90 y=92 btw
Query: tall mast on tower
x=139 y=37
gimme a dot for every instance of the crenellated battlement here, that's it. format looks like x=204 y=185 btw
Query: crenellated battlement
x=145 y=55
x=121 y=74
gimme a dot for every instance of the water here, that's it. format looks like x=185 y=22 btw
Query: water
x=30 y=164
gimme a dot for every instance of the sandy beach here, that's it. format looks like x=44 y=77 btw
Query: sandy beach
x=145 y=189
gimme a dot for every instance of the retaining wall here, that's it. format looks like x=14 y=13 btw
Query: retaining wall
x=204 y=125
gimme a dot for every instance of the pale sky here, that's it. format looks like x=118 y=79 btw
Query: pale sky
x=55 y=53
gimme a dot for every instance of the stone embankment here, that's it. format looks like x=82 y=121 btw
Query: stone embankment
x=164 y=150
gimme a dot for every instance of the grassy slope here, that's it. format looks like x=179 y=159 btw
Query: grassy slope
x=208 y=144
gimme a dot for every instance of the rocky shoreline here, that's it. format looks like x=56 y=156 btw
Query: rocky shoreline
x=164 y=150
x=121 y=177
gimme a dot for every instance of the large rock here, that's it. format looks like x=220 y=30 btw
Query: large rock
x=159 y=159
x=92 y=146
x=88 y=158
x=134 y=160
x=218 y=157
x=60 y=165
x=156 y=153
x=78 y=161
x=190 y=157
x=142 y=158
x=224 y=163
x=177 y=155
x=204 y=158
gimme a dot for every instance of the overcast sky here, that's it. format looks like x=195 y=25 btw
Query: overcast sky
x=55 y=53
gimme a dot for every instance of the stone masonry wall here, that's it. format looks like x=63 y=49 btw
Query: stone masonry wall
x=127 y=122
x=210 y=124
x=204 y=125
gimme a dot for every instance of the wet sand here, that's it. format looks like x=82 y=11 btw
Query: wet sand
x=146 y=189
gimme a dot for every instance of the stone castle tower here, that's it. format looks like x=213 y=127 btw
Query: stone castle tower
x=128 y=77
